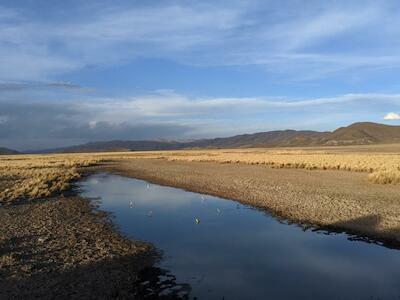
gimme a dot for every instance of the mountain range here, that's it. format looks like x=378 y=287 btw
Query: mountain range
x=362 y=133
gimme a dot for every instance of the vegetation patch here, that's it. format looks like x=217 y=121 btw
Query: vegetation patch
x=34 y=176
x=383 y=168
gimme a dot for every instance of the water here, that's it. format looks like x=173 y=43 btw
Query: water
x=236 y=252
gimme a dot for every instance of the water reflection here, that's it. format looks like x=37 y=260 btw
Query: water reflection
x=157 y=283
x=240 y=253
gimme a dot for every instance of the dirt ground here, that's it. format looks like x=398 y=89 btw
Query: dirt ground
x=63 y=248
x=336 y=200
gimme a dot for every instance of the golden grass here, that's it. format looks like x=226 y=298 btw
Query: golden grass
x=34 y=176
x=382 y=167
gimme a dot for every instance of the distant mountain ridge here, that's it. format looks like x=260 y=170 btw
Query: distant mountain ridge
x=6 y=151
x=362 y=133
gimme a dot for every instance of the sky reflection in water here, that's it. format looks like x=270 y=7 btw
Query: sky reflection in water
x=241 y=253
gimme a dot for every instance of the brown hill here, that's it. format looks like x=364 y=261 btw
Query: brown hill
x=362 y=134
x=356 y=134
x=279 y=138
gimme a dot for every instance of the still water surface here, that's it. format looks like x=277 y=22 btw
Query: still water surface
x=225 y=250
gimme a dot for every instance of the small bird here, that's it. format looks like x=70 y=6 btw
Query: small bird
x=150 y=213
x=218 y=211
x=197 y=220
x=202 y=199
x=131 y=204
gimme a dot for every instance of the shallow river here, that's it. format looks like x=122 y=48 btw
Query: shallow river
x=220 y=249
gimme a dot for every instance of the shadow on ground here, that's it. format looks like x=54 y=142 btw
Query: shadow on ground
x=389 y=238
x=64 y=248
x=113 y=279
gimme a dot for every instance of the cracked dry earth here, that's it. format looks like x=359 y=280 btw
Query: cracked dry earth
x=63 y=248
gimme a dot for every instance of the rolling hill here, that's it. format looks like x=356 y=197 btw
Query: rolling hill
x=363 y=133
x=6 y=151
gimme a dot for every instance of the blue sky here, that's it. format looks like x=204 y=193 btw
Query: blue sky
x=78 y=71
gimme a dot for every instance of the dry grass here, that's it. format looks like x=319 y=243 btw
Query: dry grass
x=382 y=167
x=33 y=176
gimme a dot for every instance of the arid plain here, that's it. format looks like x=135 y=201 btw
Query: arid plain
x=353 y=189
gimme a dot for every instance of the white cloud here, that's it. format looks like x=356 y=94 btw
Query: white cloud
x=164 y=105
x=392 y=116
x=316 y=27
x=92 y=124
x=170 y=104
x=166 y=114
x=272 y=34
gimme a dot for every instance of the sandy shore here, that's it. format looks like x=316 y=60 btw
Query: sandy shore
x=336 y=200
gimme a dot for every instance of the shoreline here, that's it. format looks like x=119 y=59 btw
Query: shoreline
x=65 y=247
x=309 y=198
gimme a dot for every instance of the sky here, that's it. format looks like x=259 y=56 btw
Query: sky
x=78 y=71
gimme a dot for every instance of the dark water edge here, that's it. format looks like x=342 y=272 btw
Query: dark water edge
x=238 y=252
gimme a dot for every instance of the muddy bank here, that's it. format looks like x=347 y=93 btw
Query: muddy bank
x=63 y=248
x=336 y=200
